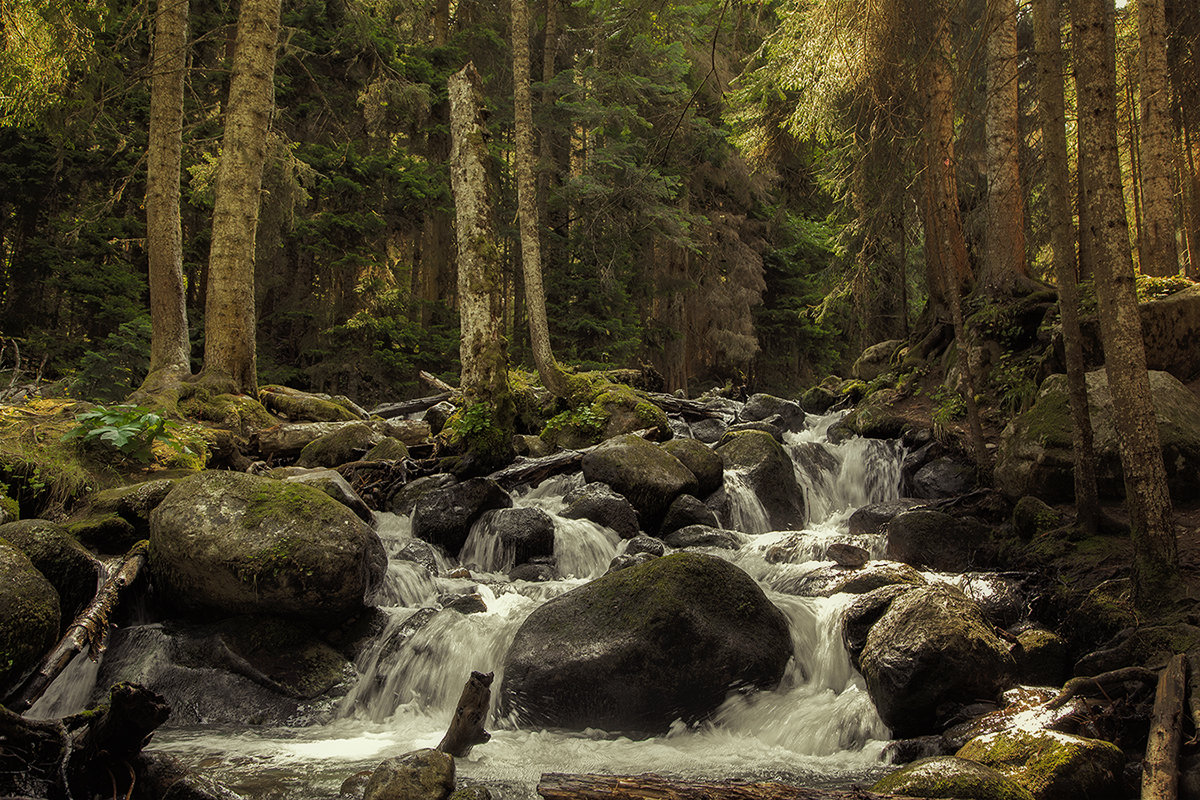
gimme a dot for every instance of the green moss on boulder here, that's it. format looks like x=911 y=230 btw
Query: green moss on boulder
x=1051 y=765
x=346 y=444
x=71 y=570
x=951 y=777
x=29 y=615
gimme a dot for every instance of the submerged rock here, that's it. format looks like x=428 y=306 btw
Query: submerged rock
x=233 y=543
x=639 y=648
x=951 y=777
x=29 y=615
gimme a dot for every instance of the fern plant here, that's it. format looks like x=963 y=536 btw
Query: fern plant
x=129 y=430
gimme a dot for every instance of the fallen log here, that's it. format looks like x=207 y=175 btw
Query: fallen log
x=436 y=382
x=1101 y=685
x=697 y=409
x=559 y=786
x=535 y=470
x=89 y=630
x=470 y=717
x=286 y=441
x=391 y=410
x=1160 y=768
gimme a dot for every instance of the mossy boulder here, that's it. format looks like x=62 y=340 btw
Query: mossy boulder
x=951 y=777
x=927 y=538
x=104 y=533
x=833 y=579
x=764 y=468
x=875 y=360
x=1146 y=645
x=420 y=775
x=1052 y=765
x=1104 y=611
x=639 y=648
x=71 y=569
x=819 y=399
x=238 y=413
x=1036 y=455
x=930 y=652
x=874 y=417
x=232 y=543
x=29 y=615
x=333 y=484
x=133 y=502
x=788 y=413
x=1032 y=517
x=599 y=503
x=346 y=444
x=644 y=473
x=444 y=516
x=701 y=460
x=1042 y=659
x=388 y=449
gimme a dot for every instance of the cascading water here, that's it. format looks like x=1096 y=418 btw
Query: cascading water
x=818 y=727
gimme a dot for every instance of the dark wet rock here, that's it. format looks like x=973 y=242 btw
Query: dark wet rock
x=29 y=615
x=133 y=503
x=875 y=418
x=534 y=573
x=847 y=555
x=1001 y=597
x=645 y=474
x=916 y=437
x=104 y=533
x=404 y=500
x=1052 y=765
x=347 y=443
x=1036 y=455
x=947 y=476
x=232 y=543
x=444 y=516
x=767 y=426
x=437 y=416
x=818 y=400
x=875 y=360
x=906 y=751
x=703 y=462
x=600 y=504
x=1031 y=517
x=275 y=653
x=930 y=651
x=337 y=487
x=645 y=544
x=864 y=612
x=417 y=552
x=1042 y=659
x=639 y=648
x=766 y=468
x=931 y=539
x=627 y=560
x=870 y=519
x=469 y=603
x=951 y=776
x=703 y=536
x=709 y=430
x=525 y=532
x=831 y=580
x=71 y=569
x=163 y=776
x=684 y=511
x=761 y=407
x=420 y=775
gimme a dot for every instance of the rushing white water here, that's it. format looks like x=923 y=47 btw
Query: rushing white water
x=818 y=727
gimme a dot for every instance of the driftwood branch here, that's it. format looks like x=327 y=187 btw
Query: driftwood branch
x=696 y=409
x=436 y=382
x=466 y=728
x=558 y=786
x=1160 y=769
x=89 y=630
x=1101 y=685
x=391 y=410
x=535 y=470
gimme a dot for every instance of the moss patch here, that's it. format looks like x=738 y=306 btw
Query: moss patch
x=947 y=776
x=1049 y=764
x=233 y=411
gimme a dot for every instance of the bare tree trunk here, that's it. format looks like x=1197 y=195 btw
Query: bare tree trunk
x=1155 y=567
x=1135 y=165
x=470 y=717
x=229 y=315
x=170 y=350
x=1047 y=32
x=527 y=209
x=1160 y=768
x=1161 y=255
x=480 y=269
x=1004 y=261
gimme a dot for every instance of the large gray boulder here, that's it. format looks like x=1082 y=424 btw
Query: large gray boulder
x=29 y=615
x=761 y=407
x=444 y=516
x=767 y=470
x=639 y=648
x=1036 y=455
x=646 y=474
x=927 y=538
x=231 y=543
x=603 y=506
x=70 y=568
x=1171 y=328
x=875 y=360
x=930 y=652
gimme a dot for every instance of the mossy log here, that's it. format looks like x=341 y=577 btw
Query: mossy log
x=89 y=630
x=286 y=441
x=559 y=786
x=393 y=410
x=1160 y=769
x=466 y=727
x=297 y=405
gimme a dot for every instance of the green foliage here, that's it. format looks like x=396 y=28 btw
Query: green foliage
x=948 y=406
x=1014 y=380
x=1152 y=288
x=118 y=366
x=131 y=431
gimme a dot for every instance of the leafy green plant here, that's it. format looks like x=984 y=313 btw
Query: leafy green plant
x=130 y=430
x=948 y=405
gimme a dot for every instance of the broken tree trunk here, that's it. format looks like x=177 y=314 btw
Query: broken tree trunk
x=559 y=786
x=1160 y=769
x=436 y=382
x=89 y=630
x=391 y=410
x=538 y=469
x=286 y=441
x=466 y=728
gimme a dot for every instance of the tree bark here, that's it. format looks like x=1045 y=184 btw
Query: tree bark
x=558 y=786
x=470 y=716
x=1161 y=255
x=1047 y=31
x=170 y=350
x=229 y=317
x=1160 y=768
x=1155 y=567
x=1004 y=260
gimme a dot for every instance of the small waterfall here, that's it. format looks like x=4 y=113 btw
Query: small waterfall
x=582 y=548
x=746 y=511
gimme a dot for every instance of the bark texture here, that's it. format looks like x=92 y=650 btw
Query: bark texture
x=480 y=271
x=170 y=351
x=1004 y=260
x=1160 y=768
x=1047 y=32
x=1160 y=255
x=229 y=315
x=1155 y=567
x=470 y=716
x=527 y=208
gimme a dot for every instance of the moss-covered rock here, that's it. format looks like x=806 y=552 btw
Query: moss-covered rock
x=133 y=502
x=764 y=468
x=951 y=777
x=702 y=460
x=239 y=413
x=388 y=449
x=874 y=417
x=1031 y=517
x=644 y=646
x=420 y=775
x=1036 y=455
x=38 y=469
x=71 y=570
x=876 y=360
x=104 y=532
x=1042 y=659
x=346 y=444
x=305 y=406
x=1103 y=612
x=29 y=615
x=647 y=475
x=1146 y=645
x=819 y=399
x=1051 y=765
x=333 y=484
x=234 y=543
x=10 y=509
